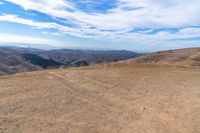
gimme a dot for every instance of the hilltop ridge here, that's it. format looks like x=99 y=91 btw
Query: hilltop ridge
x=189 y=57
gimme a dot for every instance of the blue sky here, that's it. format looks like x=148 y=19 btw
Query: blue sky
x=137 y=25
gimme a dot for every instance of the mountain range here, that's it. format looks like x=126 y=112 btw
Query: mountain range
x=14 y=60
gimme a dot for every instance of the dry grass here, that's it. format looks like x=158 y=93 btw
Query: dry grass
x=183 y=57
x=124 y=98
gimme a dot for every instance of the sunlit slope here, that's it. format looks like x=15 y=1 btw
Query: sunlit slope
x=124 y=98
x=182 y=57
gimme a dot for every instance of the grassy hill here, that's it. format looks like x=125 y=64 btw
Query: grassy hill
x=122 y=97
x=181 y=57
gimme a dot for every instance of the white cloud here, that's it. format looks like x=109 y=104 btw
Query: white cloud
x=80 y=32
x=11 y=38
x=94 y=33
x=151 y=14
x=1 y=3
x=52 y=33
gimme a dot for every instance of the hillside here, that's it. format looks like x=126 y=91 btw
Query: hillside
x=120 y=97
x=39 y=61
x=11 y=61
x=70 y=57
x=14 y=60
x=181 y=57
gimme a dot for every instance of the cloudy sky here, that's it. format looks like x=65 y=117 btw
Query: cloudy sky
x=140 y=25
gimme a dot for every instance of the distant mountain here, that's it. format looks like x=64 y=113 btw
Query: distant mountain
x=14 y=60
x=70 y=57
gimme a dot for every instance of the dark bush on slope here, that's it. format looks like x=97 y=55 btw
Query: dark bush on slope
x=40 y=61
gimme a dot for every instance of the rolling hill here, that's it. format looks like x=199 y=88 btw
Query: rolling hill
x=123 y=97
x=14 y=60
x=70 y=57
x=181 y=57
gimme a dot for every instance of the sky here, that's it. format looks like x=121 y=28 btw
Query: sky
x=136 y=25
